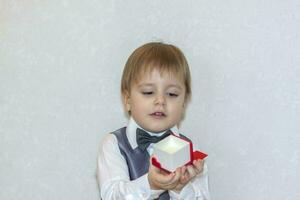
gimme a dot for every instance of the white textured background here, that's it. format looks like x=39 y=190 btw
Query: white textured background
x=60 y=70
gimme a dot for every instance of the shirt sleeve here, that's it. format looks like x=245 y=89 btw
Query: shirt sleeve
x=113 y=177
x=196 y=189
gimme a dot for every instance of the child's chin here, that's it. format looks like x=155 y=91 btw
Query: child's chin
x=158 y=130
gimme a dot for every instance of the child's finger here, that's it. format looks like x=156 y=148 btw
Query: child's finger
x=183 y=170
x=198 y=164
x=191 y=171
x=178 y=174
x=175 y=179
x=172 y=177
x=184 y=178
x=184 y=174
x=165 y=178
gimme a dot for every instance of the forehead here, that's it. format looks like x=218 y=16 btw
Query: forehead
x=155 y=74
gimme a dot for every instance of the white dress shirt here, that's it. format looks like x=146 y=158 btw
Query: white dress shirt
x=113 y=176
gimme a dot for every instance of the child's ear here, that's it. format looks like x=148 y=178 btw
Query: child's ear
x=126 y=98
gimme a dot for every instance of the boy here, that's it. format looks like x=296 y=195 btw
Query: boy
x=156 y=86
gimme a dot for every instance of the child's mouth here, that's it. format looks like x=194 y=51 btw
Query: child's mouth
x=158 y=114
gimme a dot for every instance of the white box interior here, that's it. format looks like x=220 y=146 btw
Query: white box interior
x=172 y=152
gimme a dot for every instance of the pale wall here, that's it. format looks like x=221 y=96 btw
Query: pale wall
x=60 y=69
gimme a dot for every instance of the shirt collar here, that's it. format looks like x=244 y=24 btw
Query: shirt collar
x=131 y=132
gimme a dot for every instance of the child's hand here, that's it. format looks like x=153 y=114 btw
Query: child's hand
x=188 y=173
x=160 y=180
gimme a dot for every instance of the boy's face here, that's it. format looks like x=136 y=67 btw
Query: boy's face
x=156 y=102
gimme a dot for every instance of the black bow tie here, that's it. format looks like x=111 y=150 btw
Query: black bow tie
x=144 y=139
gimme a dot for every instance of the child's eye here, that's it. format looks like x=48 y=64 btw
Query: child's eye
x=171 y=94
x=147 y=93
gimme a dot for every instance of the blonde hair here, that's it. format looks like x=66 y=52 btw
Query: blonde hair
x=156 y=55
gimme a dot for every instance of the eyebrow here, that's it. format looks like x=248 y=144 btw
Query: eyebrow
x=151 y=85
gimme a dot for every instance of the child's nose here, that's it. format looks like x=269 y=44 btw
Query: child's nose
x=160 y=99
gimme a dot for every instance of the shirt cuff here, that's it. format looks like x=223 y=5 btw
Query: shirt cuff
x=143 y=184
x=187 y=192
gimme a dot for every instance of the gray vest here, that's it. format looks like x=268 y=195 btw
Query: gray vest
x=137 y=160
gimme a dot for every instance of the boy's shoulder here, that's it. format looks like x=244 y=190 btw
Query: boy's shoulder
x=111 y=137
x=119 y=131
